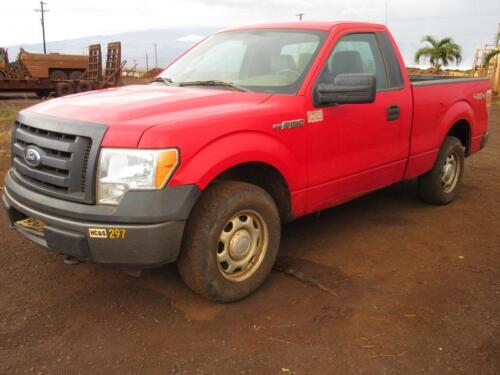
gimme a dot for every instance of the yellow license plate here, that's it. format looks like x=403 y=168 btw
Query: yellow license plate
x=32 y=224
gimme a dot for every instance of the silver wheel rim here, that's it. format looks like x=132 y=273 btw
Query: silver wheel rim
x=242 y=245
x=450 y=172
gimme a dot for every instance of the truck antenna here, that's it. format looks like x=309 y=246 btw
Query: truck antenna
x=42 y=11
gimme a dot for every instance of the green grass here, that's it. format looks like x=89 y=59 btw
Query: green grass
x=7 y=113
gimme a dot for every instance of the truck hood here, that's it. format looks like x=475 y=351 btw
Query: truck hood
x=130 y=110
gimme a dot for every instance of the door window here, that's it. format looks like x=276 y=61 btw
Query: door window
x=355 y=53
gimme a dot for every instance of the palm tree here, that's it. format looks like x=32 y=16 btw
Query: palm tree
x=493 y=52
x=444 y=51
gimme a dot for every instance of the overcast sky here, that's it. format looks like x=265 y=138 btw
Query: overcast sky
x=470 y=22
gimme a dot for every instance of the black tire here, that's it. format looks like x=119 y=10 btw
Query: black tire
x=75 y=75
x=198 y=261
x=83 y=86
x=42 y=93
x=58 y=75
x=431 y=186
x=63 y=88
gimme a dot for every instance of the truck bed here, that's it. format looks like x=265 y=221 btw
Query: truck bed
x=438 y=103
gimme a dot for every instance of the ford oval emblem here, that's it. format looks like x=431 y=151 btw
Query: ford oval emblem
x=32 y=156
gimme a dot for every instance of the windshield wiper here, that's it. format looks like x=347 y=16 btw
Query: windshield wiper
x=214 y=83
x=165 y=80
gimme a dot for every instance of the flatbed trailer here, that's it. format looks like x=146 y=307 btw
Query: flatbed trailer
x=91 y=79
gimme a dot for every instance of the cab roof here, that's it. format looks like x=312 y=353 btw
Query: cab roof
x=304 y=25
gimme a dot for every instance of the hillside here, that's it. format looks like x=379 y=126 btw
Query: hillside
x=135 y=44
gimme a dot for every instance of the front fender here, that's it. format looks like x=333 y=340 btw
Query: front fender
x=241 y=147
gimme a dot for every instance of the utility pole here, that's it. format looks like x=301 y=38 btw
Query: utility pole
x=300 y=15
x=42 y=11
x=156 y=56
x=147 y=63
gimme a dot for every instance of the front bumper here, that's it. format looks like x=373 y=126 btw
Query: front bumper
x=144 y=231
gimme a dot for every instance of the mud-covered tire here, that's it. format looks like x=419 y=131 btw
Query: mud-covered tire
x=58 y=75
x=63 y=89
x=199 y=262
x=441 y=184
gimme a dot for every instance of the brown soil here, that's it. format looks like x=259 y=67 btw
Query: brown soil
x=382 y=285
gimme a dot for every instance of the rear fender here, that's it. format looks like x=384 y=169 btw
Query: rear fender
x=461 y=110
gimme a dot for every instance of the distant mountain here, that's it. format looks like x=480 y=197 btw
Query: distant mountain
x=135 y=45
x=170 y=44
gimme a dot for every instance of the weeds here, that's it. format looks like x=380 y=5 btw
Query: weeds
x=7 y=113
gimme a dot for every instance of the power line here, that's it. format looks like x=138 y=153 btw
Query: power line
x=42 y=11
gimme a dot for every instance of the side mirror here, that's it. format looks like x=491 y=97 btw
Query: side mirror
x=347 y=88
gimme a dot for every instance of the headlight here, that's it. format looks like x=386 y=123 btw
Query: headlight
x=121 y=170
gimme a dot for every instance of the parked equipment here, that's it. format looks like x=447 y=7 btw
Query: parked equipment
x=55 y=66
x=60 y=74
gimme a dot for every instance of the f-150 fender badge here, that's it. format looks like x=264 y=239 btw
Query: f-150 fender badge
x=289 y=124
x=315 y=115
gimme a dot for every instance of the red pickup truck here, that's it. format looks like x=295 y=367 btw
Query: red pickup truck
x=252 y=127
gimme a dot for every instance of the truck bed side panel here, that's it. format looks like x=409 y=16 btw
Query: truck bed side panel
x=437 y=106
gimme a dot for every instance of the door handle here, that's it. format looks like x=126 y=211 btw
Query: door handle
x=393 y=112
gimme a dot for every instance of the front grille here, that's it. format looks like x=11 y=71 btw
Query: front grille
x=68 y=156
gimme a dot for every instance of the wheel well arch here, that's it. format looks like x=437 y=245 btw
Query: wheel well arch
x=265 y=176
x=461 y=129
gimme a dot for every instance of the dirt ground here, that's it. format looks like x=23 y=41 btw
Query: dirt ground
x=382 y=285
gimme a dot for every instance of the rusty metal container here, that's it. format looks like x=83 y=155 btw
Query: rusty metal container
x=55 y=66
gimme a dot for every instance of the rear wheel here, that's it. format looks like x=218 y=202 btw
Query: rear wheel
x=230 y=242
x=63 y=88
x=42 y=93
x=83 y=86
x=58 y=75
x=441 y=184
x=75 y=75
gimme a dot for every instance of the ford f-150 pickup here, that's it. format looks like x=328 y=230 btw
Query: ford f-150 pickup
x=252 y=127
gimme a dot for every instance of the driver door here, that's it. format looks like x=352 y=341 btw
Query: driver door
x=357 y=148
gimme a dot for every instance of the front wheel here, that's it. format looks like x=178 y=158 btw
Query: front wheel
x=230 y=242
x=441 y=184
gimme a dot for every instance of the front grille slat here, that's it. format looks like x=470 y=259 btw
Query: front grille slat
x=48 y=160
x=68 y=156
x=41 y=175
x=46 y=142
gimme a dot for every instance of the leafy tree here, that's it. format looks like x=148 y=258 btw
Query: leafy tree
x=439 y=52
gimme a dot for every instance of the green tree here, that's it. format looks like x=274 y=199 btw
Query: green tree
x=439 y=52
x=494 y=52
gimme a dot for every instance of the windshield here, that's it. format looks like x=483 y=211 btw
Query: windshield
x=273 y=61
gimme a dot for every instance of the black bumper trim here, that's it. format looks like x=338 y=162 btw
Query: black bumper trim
x=144 y=245
x=172 y=203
